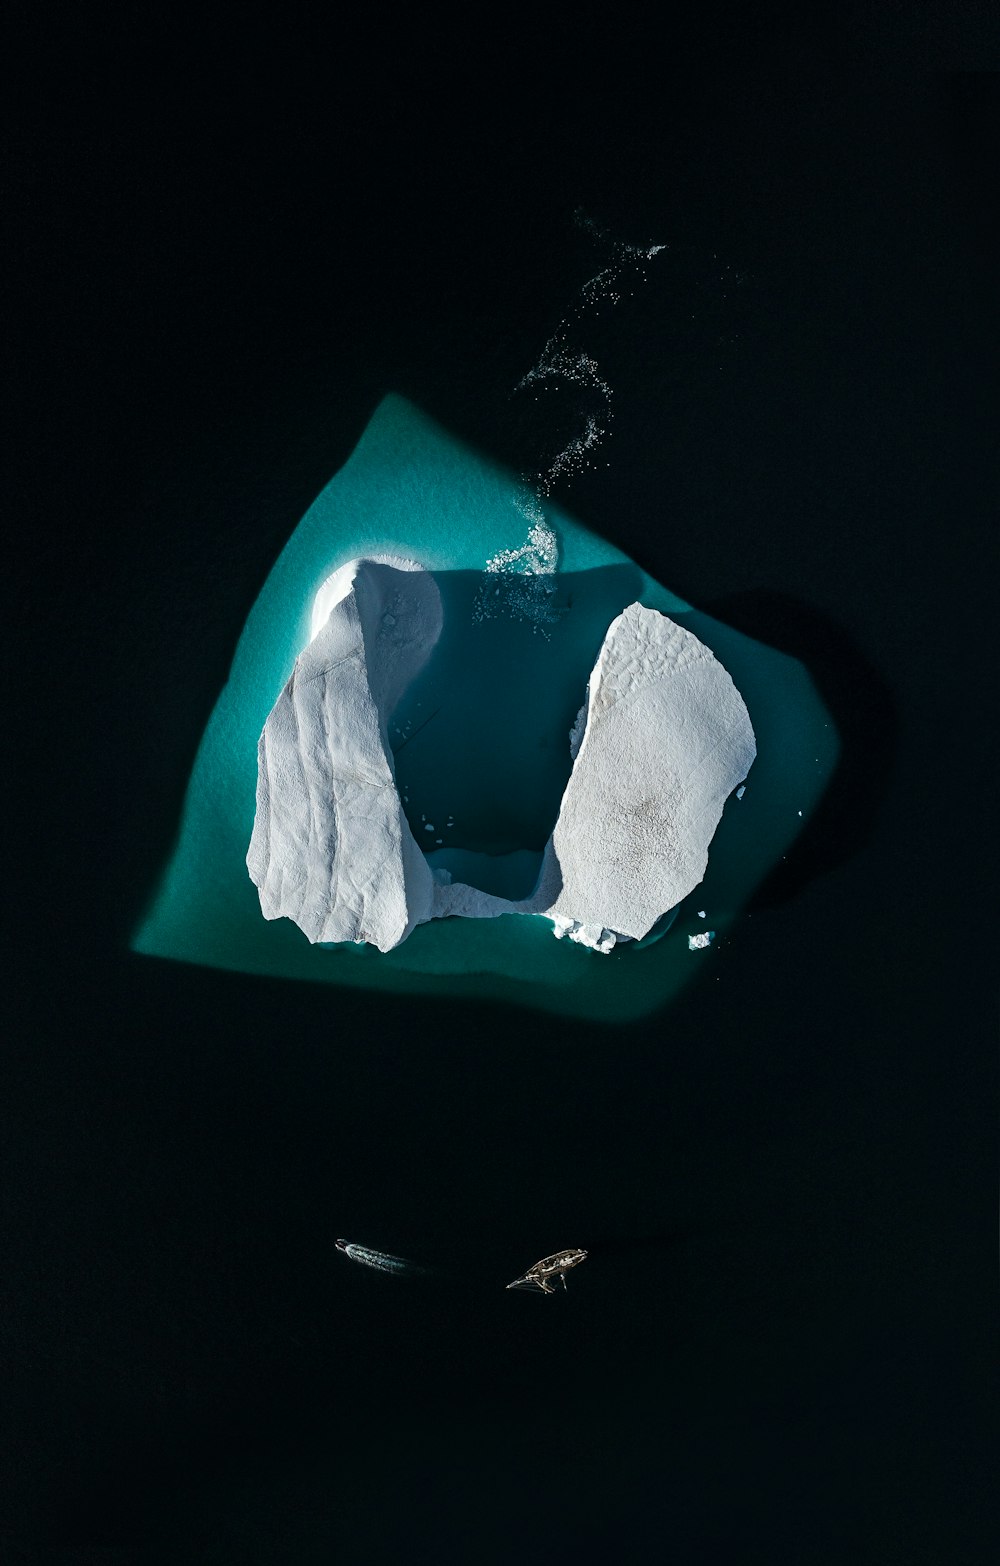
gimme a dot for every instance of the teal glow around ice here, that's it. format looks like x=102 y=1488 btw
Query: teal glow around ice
x=500 y=698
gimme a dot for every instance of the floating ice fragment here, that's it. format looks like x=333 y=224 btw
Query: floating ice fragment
x=698 y=943
x=741 y=791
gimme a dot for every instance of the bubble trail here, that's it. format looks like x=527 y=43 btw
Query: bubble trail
x=560 y=362
x=399 y=1266
x=518 y=581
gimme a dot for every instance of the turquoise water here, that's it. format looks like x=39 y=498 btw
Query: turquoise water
x=481 y=741
x=482 y=734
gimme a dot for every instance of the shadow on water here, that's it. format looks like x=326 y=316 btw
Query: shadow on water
x=481 y=737
x=867 y=724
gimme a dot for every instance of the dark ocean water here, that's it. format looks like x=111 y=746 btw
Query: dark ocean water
x=772 y=1351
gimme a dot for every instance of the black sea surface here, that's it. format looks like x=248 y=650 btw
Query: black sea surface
x=773 y=1351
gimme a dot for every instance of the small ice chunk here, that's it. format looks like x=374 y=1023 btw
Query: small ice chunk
x=741 y=791
x=593 y=935
x=698 y=943
x=429 y=827
x=596 y=937
x=331 y=848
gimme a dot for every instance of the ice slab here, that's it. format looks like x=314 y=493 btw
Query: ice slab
x=331 y=846
x=667 y=738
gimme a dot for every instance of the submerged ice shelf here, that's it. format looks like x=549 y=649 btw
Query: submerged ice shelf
x=662 y=739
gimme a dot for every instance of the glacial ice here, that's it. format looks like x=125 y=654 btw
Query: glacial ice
x=331 y=848
x=661 y=741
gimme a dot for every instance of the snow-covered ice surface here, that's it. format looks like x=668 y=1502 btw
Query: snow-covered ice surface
x=662 y=739
x=331 y=846
x=667 y=739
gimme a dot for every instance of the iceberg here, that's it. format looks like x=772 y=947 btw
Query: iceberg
x=662 y=739
x=490 y=770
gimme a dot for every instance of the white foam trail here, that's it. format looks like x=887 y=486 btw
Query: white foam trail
x=519 y=580
x=380 y=1260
